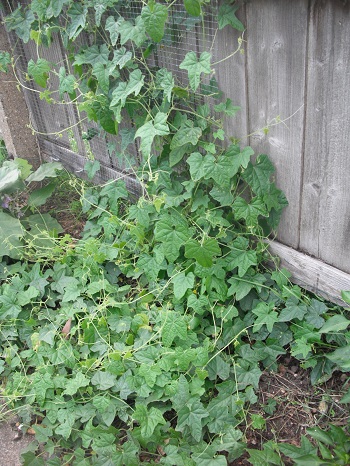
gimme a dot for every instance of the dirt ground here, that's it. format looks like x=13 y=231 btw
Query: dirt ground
x=11 y=444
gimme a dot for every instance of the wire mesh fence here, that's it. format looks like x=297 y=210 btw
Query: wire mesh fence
x=64 y=132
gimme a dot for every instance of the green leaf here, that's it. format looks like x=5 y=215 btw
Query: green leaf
x=240 y=287
x=173 y=232
x=40 y=196
x=5 y=60
x=92 y=167
x=224 y=197
x=293 y=310
x=335 y=324
x=186 y=134
x=320 y=435
x=151 y=129
x=46 y=170
x=200 y=165
x=148 y=419
x=249 y=211
x=265 y=316
x=55 y=7
x=21 y=22
x=102 y=74
x=203 y=251
x=112 y=26
x=346 y=296
x=173 y=327
x=103 y=380
x=195 y=67
x=121 y=57
x=182 y=283
x=227 y=16
x=39 y=71
x=41 y=384
x=301 y=347
x=241 y=256
x=66 y=84
x=92 y=55
x=193 y=7
x=31 y=459
x=134 y=86
x=9 y=177
x=73 y=385
x=227 y=108
x=10 y=231
x=258 y=175
x=77 y=14
x=154 y=16
x=136 y=33
x=190 y=417
x=165 y=80
x=266 y=457
x=315 y=310
x=341 y=357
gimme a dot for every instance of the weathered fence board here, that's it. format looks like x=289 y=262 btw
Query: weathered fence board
x=276 y=51
x=325 y=208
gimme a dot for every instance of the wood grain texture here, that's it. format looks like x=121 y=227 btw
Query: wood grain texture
x=230 y=72
x=276 y=54
x=325 y=209
x=312 y=274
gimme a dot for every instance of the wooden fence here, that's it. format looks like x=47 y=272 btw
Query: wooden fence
x=294 y=79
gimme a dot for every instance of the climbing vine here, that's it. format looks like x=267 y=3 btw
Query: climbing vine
x=145 y=340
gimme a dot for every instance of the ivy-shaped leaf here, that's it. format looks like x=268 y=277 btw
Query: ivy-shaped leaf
x=172 y=231
x=151 y=129
x=55 y=7
x=78 y=381
x=193 y=7
x=265 y=316
x=200 y=165
x=100 y=7
x=241 y=256
x=5 y=60
x=121 y=57
x=39 y=71
x=77 y=14
x=66 y=83
x=102 y=74
x=21 y=22
x=154 y=16
x=258 y=175
x=112 y=26
x=249 y=211
x=182 y=283
x=174 y=327
x=190 y=417
x=136 y=33
x=133 y=86
x=148 y=419
x=195 y=67
x=227 y=108
x=227 y=16
x=165 y=80
x=92 y=55
x=203 y=251
x=186 y=134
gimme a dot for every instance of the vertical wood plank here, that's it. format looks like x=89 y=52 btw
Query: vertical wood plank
x=276 y=50
x=230 y=72
x=325 y=225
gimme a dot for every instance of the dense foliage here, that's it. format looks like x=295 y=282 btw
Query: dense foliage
x=144 y=341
